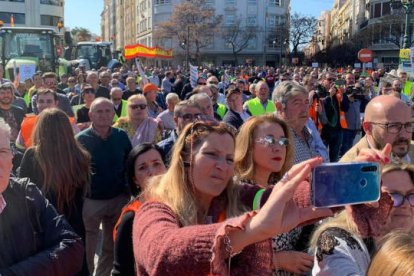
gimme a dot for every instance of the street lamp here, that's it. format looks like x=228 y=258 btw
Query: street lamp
x=408 y=6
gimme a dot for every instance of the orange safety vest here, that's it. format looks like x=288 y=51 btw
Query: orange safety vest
x=342 y=119
x=314 y=116
x=28 y=124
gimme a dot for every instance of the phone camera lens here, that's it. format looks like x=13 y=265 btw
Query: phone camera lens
x=369 y=169
x=363 y=182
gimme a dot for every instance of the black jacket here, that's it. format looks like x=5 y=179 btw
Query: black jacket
x=34 y=239
x=233 y=118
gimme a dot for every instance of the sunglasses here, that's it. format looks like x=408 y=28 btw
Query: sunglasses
x=213 y=82
x=136 y=106
x=270 y=141
x=330 y=79
x=88 y=91
x=201 y=83
x=399 y=199
x=191 y=117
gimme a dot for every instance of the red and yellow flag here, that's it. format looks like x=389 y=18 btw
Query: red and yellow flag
x=138 y=50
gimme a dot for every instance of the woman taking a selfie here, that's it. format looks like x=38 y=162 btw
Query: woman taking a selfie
x=193 y=222
x=264 y=152
x=344 y=244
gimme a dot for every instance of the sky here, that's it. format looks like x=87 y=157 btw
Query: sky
x=87 y=13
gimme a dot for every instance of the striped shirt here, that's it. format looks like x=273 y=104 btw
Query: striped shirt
x=2 y=203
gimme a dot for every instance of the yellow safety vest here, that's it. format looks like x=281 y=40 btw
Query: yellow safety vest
x=256 y=108
x=124 y=111
x=407 y=88
x=221 y=110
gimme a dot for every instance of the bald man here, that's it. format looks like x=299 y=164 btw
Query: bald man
x=387 y=120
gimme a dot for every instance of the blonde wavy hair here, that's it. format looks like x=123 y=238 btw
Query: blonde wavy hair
x=175 y=187
x=245 y=167
x=395 y=256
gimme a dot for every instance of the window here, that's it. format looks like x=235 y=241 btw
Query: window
x=51 y=2
x=251 y=21
x=230 y=2
x=252 y=2
x=272 y=20
x=19 y=18
x=252 y=43
x=49 y=20
x=277 y=3
x=376 y=10
x=162 y=2
x=386 y=8
x=229 y=19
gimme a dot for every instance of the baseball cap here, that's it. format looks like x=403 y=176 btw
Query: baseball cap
x=150 y=87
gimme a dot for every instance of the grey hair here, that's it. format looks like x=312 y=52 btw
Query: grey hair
x=171 y=96
x=287 y=90
x=99 y=100
x=199 y=97
x=114 y=89
x=5 y=128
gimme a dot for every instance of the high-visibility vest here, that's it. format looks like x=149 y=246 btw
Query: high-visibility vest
x=342 y=119
x=407 y=88
x=26 y=98
x=314 y=116
x=124 y=111
x=28 y=124
x=256 y=108
x=221 y=110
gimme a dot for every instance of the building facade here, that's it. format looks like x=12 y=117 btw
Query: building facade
x=268 y=47
x=32 y=13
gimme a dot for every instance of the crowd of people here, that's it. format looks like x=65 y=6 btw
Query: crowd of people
x=122 y=173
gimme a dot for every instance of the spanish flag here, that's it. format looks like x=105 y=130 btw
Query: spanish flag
x=12 y=20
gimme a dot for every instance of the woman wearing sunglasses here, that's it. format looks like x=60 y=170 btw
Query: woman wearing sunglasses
x=264 y=152
x=340 y=245
x=193 y=221
x=139 y=127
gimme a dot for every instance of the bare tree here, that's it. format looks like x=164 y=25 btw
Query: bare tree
x=193 y=23
x=302 y=29
x=238 y=36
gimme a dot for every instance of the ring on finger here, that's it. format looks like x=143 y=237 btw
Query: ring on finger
x=285 y=177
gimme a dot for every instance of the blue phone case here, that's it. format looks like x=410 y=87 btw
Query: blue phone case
x=339 y=184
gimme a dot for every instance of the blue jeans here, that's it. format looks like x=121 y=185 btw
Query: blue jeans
x=333 y=140
x=348 y=136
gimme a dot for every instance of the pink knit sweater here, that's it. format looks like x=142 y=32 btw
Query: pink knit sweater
x=163 y=247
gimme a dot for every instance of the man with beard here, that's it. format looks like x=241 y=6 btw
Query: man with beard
x=11 y=114
x=387 y=120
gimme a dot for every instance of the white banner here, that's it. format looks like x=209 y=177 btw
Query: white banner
x=193 y=75
x=141 y=72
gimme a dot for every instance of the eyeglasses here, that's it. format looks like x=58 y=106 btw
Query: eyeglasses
x=49 y=83
x=331 y=79
x=191 y=117
x=45 y=101
x=88 y=91
x=395 y=128
x=270 y=141
x=399 y=199
x=136 y=106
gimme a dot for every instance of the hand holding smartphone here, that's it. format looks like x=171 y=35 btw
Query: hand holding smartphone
x=340 y=184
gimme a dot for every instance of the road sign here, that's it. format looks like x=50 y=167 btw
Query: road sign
x=365 y=55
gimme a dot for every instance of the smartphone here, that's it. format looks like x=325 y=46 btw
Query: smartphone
x=339 y=184
x=340 y=82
